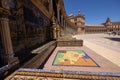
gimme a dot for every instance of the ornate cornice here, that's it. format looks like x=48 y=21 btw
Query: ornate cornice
x=4 y=13
x=41 y=7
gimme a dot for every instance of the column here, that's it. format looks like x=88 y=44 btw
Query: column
x=63 y=28
x=118 y=27
x=54 y=29
x=62 y=20
x=58 y=31
x=6 y=40
x=58 y=12
x=54 y=33
x=52 y=6
x=9 y=62
x=64 y=23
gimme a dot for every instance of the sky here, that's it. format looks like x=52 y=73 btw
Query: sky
x=95 y=11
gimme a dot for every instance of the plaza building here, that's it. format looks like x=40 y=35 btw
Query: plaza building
x=36 y=44
x=27 y=24
x=78 y=21
x=82 y=28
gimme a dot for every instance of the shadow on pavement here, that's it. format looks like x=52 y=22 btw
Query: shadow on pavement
x=113 y=39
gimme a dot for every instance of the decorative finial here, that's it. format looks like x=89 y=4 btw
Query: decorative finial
x=108 y=19
x=78 y=11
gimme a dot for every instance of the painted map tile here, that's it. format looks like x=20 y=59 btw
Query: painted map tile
x=73 y=58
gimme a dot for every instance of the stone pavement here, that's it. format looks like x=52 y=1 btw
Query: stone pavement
x=104 y=65
x=104 y=45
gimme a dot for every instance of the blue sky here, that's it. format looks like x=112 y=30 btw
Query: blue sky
x=95 y=11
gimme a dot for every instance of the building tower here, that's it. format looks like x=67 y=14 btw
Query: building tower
x=80 y=21
x=108 y=24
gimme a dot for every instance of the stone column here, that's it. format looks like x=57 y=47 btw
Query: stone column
x=54 y=33
x=58 y=13
x=64 y=23
x=62 y=20
x=58 y=30
x=6 y=40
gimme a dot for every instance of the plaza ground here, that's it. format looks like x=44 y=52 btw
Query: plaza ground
x=102 y=48
x=105 y=45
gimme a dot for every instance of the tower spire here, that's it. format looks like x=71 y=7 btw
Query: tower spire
x=78 y=12
x=108 y=19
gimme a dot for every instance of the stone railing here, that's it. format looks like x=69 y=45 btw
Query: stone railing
x=8 y=69
x=42 y=48
x=43 y=54
x=69 y=42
